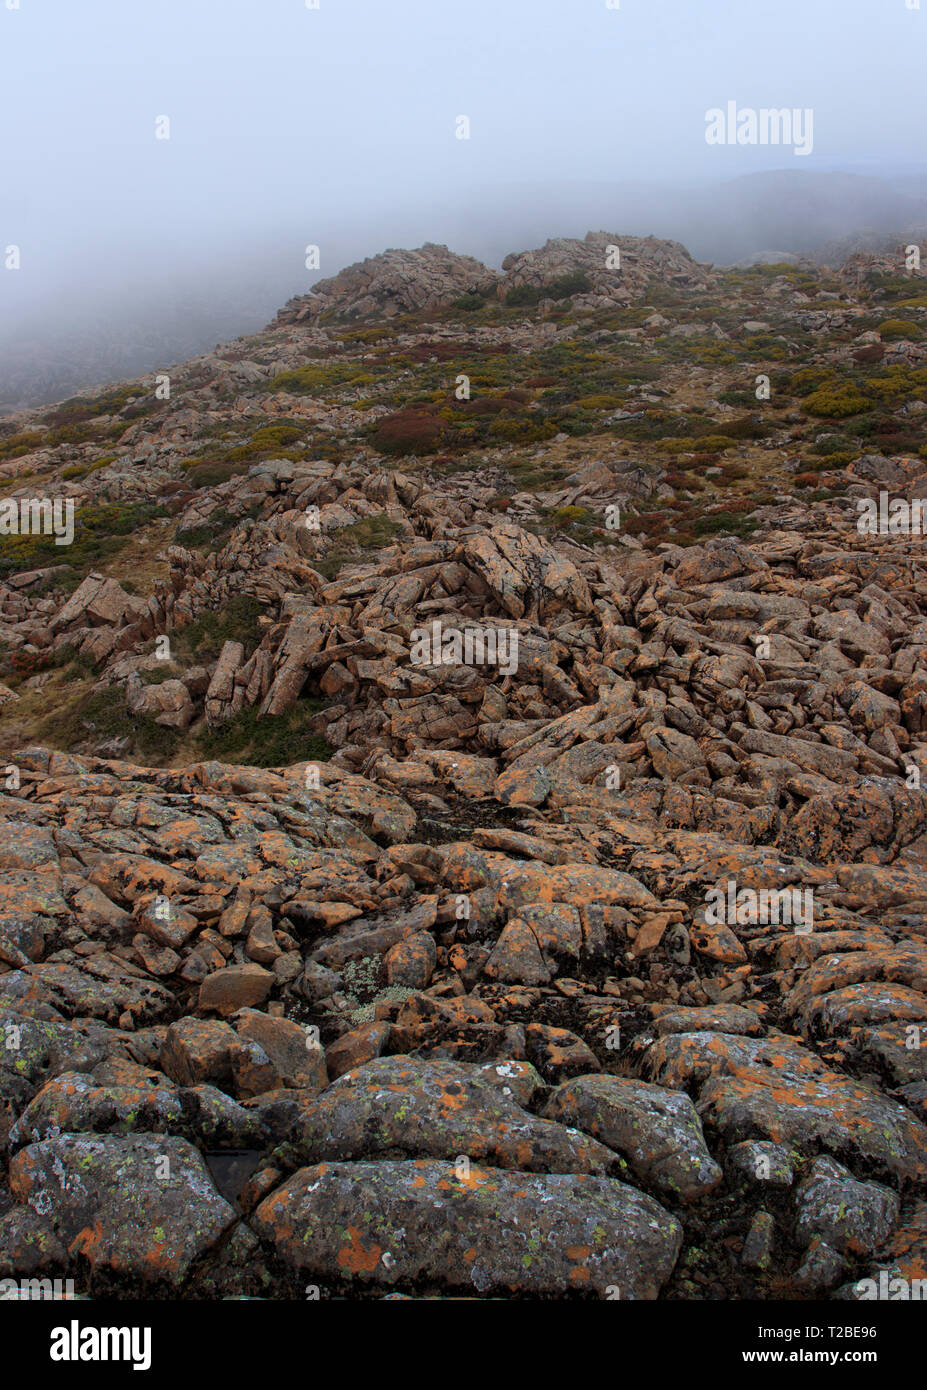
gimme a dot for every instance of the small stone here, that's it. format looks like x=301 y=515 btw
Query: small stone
x=821 y=1268
x=235 y=987
x=356 y=1047
x=760 y=1161
x=853 y=1217
x=758 y=1247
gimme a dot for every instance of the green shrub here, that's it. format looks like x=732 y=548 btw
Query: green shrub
x=809 y=379
x=81 y=470
x=469 y=303
x=77 y=411
x=267 y=441
x=522 y=296
x=202 y=473
x=745 y=427
x=523 y=429
x=895 y=384
x=734 y=522
x=737 y=398
x=237 y=621
x=838 y=458
x=893 y=329
x=837 y=402
x=71 y=434
x=15 y=445
x=317 y=377
x=566 y=286
x=832 y=444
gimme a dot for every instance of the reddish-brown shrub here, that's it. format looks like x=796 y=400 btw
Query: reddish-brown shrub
x=413 y=431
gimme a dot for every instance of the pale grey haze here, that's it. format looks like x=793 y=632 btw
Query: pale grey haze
x=337 y=126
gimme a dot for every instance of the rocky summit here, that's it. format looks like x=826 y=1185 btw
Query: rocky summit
x=462 y=824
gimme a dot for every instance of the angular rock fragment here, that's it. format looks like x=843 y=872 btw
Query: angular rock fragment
x=657 y=1130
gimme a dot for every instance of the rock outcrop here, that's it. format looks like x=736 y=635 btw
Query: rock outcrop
x=462 y=822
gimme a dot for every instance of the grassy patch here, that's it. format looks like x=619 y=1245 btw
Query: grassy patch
x=202 y=640
x=102 y=717
x=370 y=533
x=276 y=741
x=99 y=533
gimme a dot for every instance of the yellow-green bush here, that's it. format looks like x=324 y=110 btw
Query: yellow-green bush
x=899 y=328
x=809 y=379
x=316 y=377
x=15 y=445
x=81 y=470
x=837 y=402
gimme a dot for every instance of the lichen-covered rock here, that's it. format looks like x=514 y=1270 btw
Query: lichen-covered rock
x=235 y=987
x=558 y=1053
x=821 y=1268
x=757 y=1161
x=277 y=1053
x=28 y=1244
x=401 y=1106
x=198 y=1049
x=143 y=1207
x=852 y=1217
x=410 y=963
x=657 y=1130
x=484 y=1232
x=757 y=1251
x=34 y=1049
x=775 y=1088
x=77 y=1104
x=356 y=1047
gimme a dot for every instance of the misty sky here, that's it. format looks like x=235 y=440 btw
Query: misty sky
x=337 y=125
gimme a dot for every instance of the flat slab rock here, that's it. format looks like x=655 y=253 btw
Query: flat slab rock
x=381 y=1224
x=406 y=1107
x=773 y=1088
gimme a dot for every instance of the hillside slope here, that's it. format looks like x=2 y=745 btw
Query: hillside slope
x=463 y=791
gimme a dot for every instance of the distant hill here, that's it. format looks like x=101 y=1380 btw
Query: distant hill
x=824 y=216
